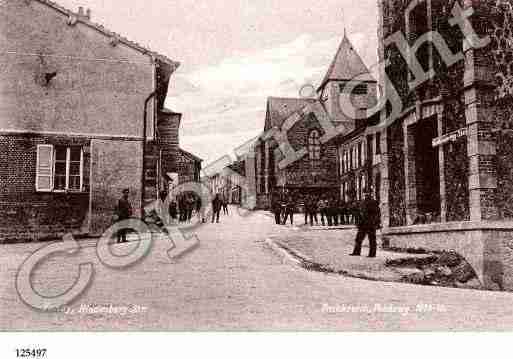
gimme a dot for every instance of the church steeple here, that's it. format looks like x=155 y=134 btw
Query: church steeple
x=346 y=65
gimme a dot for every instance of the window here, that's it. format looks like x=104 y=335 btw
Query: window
x=314 y=145
x=360 y=159
x=378 y=143
x=353 y=155
x=59 y=168
x=342 y=161
x=358 y=183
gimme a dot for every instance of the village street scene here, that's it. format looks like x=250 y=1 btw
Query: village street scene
x=348 y=173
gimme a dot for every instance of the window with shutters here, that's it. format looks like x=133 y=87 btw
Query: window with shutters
x=59 y=168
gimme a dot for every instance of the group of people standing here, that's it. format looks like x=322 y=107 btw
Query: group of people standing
x=332 y=212
x=187 y=205
x=364 y=214
x=219 y=204
x=166 y=211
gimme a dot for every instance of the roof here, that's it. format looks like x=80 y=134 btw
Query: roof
x=346 y=65
x=279 y=109
x=190 y=155
x=106 y=32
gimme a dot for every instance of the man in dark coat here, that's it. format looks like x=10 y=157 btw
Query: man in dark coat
x=123 y=212
x=368 y=220
x=312 y=208
x=217 y=205
x=225 y=206
x=289 y=211
x=276 y=209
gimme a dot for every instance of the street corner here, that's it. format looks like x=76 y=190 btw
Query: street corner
x=319 y=253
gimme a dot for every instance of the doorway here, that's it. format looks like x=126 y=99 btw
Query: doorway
x=427 y=170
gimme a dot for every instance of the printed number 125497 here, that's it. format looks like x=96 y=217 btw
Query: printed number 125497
x=30 y=353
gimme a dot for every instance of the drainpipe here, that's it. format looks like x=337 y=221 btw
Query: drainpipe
x=143 y=174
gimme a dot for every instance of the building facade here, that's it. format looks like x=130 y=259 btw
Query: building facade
x=72 y=101
x=315 y=171
x=359 y=158
x=188 y=167
x=447 y=154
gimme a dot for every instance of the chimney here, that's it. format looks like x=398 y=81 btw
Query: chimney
x=88 y=14
x=80 y=11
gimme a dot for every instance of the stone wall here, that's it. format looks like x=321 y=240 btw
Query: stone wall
x=396 y=175
x=486 y=246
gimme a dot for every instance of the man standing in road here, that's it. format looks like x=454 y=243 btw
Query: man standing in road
x=276 y=208
x=368 y=221
x=216 y=208
x=289 y=211
x=323 y=205
x=123 y=212
x=225 y=206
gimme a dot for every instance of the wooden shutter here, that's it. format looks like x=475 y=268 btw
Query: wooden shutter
x=44 y=168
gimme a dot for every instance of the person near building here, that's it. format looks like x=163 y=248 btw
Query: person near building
x=312 y=205
x=173 y=210
x=225 y=206
x=306 y=210
x=190 y=204
x=123 y=212
x=342 y=212
x=276 y=208
x=368 y=220
x=216 y=208
x=198 y=209
x=331 y=211
x=323 y=206
x=289 y=211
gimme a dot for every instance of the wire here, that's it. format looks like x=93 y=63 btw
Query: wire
x=74 y=57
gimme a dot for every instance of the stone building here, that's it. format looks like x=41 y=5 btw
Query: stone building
x=448 y=151
x=359 y=158
x=304 y=120
x=188 y=167
x=72 y=101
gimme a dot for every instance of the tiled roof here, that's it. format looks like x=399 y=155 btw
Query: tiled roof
x=279 y=109
x=191 y=156
x=106 y=32
x=346 y=65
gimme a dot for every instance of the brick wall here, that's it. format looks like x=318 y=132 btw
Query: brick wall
x=300 y=173
x=27 y=214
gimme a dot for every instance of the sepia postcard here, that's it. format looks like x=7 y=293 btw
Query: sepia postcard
x=283 y=166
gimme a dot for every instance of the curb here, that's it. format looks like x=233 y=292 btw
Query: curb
x=295 y=260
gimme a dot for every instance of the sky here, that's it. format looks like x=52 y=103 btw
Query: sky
x=234 y=54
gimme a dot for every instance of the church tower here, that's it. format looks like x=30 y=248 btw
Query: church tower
x=347 y=74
